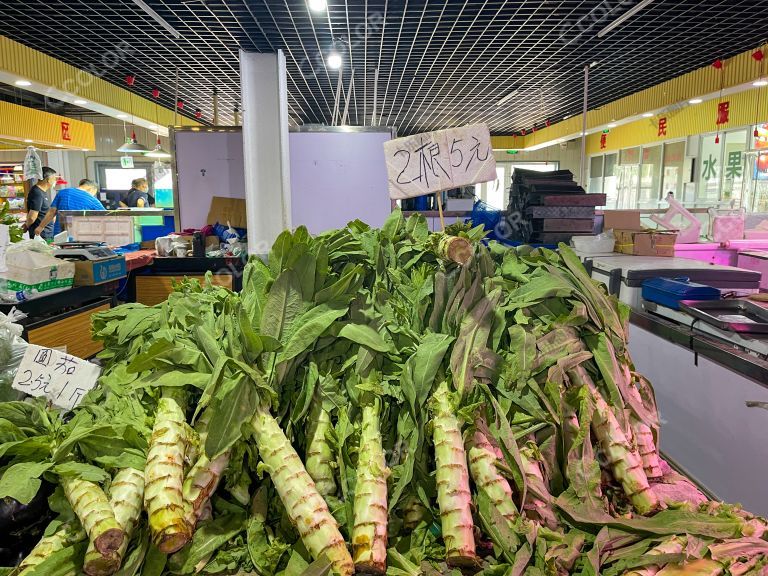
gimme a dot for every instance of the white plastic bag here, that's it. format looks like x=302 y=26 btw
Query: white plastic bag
x=12 y=348
x=33 y=166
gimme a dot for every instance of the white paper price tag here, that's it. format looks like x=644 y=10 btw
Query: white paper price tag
x=62 y=378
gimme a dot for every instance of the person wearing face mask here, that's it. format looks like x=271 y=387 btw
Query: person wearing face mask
x=138 y=196
x=38 y=204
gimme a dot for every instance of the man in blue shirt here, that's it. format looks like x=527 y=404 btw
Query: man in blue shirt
x=80 y=198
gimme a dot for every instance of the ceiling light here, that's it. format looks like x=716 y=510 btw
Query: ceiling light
x=648 y=115
x=132 y=146
x=566 y=117
x=80 y=102
x=317 y=5
x=623 y=18
x=760 y=83
x=593 y=64
x=59 y=145
x=334 y=60
x=695 y=101
x=157 y=152
x=508 y=97
x=23 y=83
x=152 y=127
x=28 y=141
x=611 y=125
x=122 y=116
x=157 y=18
x=85 y=149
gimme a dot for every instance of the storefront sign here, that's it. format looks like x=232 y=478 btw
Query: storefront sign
x=723 y=112
x=65 y=132
x=126 y=161
x=709 y=168
x=603 y=141
x=441 y=160
x=662 y=126
x=63 y=379
x=734 y=167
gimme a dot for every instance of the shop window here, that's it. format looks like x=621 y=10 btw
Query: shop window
x=650 y=177
x=733 y=166
x=628 y=178
x=609 y=180
x=674 y=162
x=756 y=172
x=596 y=175
x=710 y=170
x=121 y=178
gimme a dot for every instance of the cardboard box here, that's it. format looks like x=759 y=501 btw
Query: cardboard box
x=225 y=210
x=621 y=220
x=645 y=242
x=92 y=273
x=34 y=272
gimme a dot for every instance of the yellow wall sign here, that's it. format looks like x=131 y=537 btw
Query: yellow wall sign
x=43 y=128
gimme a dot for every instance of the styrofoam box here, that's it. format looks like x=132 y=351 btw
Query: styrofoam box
x=114 y=230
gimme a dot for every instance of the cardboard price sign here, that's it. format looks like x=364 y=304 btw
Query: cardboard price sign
x=441 y=160
x=60 y=377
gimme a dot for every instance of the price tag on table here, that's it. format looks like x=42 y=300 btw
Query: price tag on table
x=62 y=378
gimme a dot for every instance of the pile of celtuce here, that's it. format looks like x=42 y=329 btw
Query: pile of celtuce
x=374 y=401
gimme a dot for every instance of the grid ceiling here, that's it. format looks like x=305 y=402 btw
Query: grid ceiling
x=439 y=64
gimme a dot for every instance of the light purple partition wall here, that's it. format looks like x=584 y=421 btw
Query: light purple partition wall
x=337 y=177
x=207 y=164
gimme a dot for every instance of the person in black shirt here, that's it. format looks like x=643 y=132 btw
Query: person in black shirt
x=39 y=201
x=138 y=196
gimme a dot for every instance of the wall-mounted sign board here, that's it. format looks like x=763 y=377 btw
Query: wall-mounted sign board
x=434 y=161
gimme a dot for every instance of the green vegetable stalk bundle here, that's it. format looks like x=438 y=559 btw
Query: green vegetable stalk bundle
x=380 y=401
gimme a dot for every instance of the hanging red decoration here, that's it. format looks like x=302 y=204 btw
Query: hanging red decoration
x=155 y=93
x=180 y=104
x=522 y=132
x=717 y=139
x=548 y=123
x=130 y=79
x=755 y=133
x=723 y=112
x=198 y=113
x=758 y=55
x=717 y=64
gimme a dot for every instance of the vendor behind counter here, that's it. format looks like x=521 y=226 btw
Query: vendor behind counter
x=81 y=198
x=138 y=196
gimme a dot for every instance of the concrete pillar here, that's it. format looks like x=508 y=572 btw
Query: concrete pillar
x=265 y=148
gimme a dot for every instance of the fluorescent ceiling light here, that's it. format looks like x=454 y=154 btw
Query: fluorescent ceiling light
x=85 y=149
x=334 y=60
x=760 y=83
x=80 y=102
x=59 y=145
x=122 y=116
x=23 y=83
x=593 y=64
x=566 y=117
x=648 y=115
x=28 y=141
x=317 y=5
x=695 y=101
x=508 y=97
x=157 y=18
x=623 y=18
x=611 y=125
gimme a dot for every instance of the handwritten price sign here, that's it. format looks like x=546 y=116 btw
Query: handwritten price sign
x=441 y=160
x=62 y=378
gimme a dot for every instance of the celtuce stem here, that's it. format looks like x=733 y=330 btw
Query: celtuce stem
x=319 y=452
x=304 y=504
x=369 y=536
x=125 y=497
x=453 y=495
x=647 y=448
x=92 y=508
x=164 y=478
x=66 y=535
x=482 y=465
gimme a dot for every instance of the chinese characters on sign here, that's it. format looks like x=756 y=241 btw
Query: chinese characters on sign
x=723 y=110
x=710 y=168
x=662 y=126
x=65 y=131
x=441 y=160
x=63 y=379
x=603 y=141
x=734 y=167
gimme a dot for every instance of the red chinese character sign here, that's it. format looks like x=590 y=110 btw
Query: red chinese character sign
x=662 y=126
x=603 y=141
x=723 y=111
x=441 y=160
x=65 y=131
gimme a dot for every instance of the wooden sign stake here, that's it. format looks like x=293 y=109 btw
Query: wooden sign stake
x=439 y=197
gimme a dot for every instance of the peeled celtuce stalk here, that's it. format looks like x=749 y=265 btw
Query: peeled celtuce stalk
x=66 y=535
x=453 y=495
x=369 y=535
x=482 y=456
x=319 y=452
x=204 y=477
x=538 y=504
x=625 y=463
x=673 y=545
x=125 y=497
x=96 y=516
x=164 y=476
x=303 y=503
x=454 y=248
x=647 y=448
